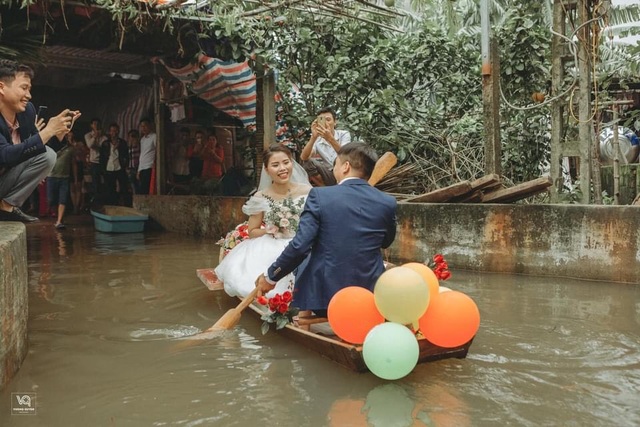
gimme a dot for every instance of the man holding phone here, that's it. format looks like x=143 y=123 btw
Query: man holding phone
x=25 y=158
x=320 y=153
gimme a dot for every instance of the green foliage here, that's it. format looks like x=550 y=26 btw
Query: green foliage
x=525 y=45
x=417 y=94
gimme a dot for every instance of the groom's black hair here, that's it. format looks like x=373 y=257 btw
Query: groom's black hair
x=360 y=156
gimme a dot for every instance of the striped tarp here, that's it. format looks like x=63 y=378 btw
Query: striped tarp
x=228 y=86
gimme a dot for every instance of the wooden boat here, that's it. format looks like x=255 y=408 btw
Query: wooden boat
x=322 y=340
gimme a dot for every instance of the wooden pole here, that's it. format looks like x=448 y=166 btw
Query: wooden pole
x=158 y=119
x=557 y=106
x=616 y=158
x=269 y=108
x=490 y=95
x=584 y=100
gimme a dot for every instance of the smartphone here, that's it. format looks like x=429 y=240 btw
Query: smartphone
x=41 y=111
x=321 y=121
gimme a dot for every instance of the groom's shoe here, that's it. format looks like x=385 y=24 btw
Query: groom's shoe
x=16 y=215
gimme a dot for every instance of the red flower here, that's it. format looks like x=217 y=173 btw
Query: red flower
x=287 y=297
x=277 y=299
x=438 y=258
x=444 y=275
x=263 y=300
x=283 y=307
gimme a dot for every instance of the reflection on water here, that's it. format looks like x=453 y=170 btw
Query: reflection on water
x=107 y=310
x=106 y=243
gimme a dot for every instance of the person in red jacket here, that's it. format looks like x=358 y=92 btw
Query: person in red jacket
x=213 y=156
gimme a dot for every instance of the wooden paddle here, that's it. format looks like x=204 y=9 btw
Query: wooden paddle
x=383 y=165
x=226 y=322
x=231 y=318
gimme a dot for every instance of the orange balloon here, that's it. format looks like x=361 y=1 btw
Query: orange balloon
x=352 y=313
x=428 y=276
x=451 y=320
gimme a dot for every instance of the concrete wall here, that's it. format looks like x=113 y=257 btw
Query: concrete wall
x=14 y=307
x=588 y=242
x=201 y=216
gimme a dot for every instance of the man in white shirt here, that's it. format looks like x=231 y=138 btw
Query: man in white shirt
x=114 y=159
x=147 y=155
x=95 y=139
x=322 y=149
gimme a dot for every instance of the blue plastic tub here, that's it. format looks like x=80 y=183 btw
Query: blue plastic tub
x=119 y=219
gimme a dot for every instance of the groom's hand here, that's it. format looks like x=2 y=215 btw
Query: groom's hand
x=263 y=286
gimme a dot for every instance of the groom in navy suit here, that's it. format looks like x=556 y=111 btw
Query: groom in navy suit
x=342 y=229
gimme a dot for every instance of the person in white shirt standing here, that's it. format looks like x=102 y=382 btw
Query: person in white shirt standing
x=147 y=155
x=114 y=159
x=95 y=139
x=320 y=153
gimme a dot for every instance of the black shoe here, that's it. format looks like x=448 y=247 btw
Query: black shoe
x=16 y=215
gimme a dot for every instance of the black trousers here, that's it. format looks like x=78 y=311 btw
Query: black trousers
x=145 y=181
x=112 y=195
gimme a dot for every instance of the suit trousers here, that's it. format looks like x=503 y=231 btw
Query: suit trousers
x=17 y=184
x=320 y=167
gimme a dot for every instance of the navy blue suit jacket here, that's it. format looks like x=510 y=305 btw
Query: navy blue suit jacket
x=31 y=146
x=342 y=229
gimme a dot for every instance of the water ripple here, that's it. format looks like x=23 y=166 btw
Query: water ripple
x=153 y=334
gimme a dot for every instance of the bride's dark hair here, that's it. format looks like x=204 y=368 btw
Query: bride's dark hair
x=273 y=149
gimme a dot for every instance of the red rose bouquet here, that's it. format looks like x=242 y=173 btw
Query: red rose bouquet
x=279 y=310
x=440 y=267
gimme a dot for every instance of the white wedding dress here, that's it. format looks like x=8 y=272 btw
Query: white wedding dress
x=251 y=258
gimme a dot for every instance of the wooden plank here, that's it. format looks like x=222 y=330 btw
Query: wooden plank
x=442 y=194
x=636 y=201
x=520 y=191
x=474 y=197
x=486 y=182
x=209 y=279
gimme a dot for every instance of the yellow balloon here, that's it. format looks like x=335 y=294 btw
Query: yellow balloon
x=401 y=295
x=428 y=276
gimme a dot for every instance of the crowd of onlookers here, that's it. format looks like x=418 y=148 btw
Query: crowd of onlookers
x=101 y=168
x=199 y=158
x=97 y=168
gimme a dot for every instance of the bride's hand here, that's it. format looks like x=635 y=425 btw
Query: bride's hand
x=271 y=229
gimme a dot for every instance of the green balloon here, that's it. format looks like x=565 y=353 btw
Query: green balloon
x=390 y=351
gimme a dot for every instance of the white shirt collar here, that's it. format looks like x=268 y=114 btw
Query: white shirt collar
x=348 y=178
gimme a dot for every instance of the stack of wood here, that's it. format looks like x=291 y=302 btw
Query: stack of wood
x=488 y=189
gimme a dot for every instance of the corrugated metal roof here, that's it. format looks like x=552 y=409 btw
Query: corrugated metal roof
x=96 y=60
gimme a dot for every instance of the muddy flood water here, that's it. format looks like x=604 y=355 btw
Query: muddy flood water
x=106 y=312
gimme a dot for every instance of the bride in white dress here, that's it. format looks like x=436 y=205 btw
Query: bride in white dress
x=283 y=189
